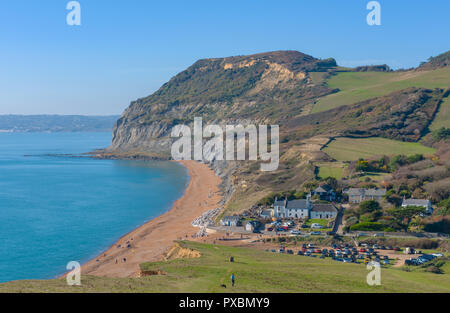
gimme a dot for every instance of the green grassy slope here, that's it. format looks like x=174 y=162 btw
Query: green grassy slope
x=358 y=86
x=350 y=149
x=330 y=169
x=442 y=118
x=255 y=270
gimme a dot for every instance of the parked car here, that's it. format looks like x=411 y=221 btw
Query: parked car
x=317 y=251
x=316 y=233
x=383 y=247
x=300 y=253
x=389 y=248
x=397 y=249
x=310 y=245
x=295 y=232
x=290 y=252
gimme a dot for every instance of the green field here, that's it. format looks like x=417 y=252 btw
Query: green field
x=358 y=86
x=330 y=169
x=377 y=177
x=351 y=149
x=255 y=271
x=322 y=222
x=442 y=118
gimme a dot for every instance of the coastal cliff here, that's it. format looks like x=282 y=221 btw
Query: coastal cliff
x=257 y=88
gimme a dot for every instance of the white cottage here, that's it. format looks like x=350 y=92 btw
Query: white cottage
x=292 y=209
x=418 y=203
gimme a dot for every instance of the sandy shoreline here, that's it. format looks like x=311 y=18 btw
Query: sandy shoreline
x=150 y=241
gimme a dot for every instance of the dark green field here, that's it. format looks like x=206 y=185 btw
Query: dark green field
x=255 y=270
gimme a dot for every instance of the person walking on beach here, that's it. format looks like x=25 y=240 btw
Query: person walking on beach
x=232 y=280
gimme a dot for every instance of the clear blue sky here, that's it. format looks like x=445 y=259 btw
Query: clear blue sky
x=127 y=49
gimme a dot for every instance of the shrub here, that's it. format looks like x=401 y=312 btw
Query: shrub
x=441 y=226
x=368 y=226
x=442 y=133
x=368 y=207
x=415 y=158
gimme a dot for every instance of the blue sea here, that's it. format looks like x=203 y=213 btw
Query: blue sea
x=56 y=209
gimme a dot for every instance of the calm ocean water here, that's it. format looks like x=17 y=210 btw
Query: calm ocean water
x=54 y=210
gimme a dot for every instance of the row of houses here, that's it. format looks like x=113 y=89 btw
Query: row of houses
x=358 y=195
x=303 y=209
x=306 y=209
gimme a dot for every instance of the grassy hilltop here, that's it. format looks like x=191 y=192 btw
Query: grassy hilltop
x=255 y=271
